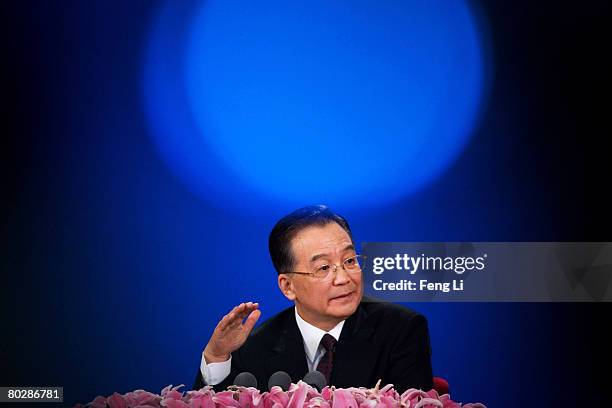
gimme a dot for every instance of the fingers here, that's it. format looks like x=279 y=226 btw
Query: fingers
x=229 y=319
x=247 y=309
x=251 y=320
x=236 y=315
x=243 y=310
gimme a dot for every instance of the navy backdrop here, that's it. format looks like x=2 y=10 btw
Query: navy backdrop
x=115 y=272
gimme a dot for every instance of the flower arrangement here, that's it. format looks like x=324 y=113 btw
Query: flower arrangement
x=300 y=395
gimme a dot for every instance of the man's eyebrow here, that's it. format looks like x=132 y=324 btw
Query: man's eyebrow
x=317 y=256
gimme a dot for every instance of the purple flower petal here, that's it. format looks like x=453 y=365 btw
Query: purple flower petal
x=298 y=396
x=98 y=402
x=116 y=401
x=428 y=403
x=202 y=398
x=343 y=399
x=226 y=399
x=173 y=403
x=317 y=402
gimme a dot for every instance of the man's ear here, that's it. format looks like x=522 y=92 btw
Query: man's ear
x=286 y=286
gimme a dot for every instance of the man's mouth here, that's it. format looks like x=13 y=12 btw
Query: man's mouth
x=342 y=296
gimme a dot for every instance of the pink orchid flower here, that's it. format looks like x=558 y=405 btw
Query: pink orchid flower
x=300 y=395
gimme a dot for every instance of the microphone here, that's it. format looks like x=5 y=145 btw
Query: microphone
x=280 y=378
x=245 y=379
x=315 y=379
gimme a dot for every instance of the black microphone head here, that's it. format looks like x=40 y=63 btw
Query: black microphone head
x=245 y=379
x=280 y=378
x=315 y=379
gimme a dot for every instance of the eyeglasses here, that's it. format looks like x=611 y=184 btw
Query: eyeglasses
x=327 y=272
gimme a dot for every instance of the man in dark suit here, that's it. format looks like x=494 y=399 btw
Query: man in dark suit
x=353 y=341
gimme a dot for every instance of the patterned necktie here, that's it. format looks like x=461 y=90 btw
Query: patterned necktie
x=325 y=364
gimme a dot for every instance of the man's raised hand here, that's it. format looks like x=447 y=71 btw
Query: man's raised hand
x=231 y=332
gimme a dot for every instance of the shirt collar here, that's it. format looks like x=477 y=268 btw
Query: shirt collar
x=312 y=335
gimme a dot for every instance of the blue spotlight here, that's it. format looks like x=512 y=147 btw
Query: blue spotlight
x=349 y=103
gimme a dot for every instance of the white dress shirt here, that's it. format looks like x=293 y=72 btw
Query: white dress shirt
x=214 y=373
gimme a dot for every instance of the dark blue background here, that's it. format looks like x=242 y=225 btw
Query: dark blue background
x=114 y=274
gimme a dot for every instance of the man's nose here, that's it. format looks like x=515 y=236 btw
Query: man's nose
x=341 y=277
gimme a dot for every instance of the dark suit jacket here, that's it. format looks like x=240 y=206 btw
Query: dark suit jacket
x=379 y=341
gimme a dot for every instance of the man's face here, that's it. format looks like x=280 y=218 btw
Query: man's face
x=323 y=303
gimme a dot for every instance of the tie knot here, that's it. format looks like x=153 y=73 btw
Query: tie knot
x=328 y=342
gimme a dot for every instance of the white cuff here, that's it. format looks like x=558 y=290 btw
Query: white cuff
x=214 y=373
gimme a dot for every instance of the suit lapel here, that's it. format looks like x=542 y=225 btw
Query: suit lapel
x=288 y=352
x=354 y=359
x=355 y=355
